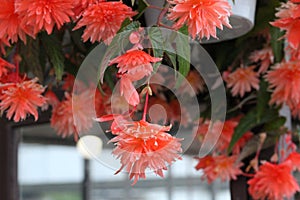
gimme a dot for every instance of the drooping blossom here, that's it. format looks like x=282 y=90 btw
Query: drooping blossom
x=73 y=115
x=102 y=101
x=294 y=158
x=222 y=167
x=202 y=17
x=135 y=62
x=284 y=79
x=128 y=90
x=193 y=85
x=103 y=20
x=81 y=5
x=44 y=14
x=225 y=137
x=273 y=182
x=10 y=23
x=20 y=99
x=5 y=67
x=51 y=100
x=242 y=80
x=141 y=145
x=289 y=20
x=179 y=113
x=265 y=57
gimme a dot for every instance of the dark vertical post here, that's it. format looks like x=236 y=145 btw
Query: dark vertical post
x=9 y=189
x=86 y=181
x=239 y=189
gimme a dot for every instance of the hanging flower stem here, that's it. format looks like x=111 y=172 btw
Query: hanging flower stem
x=146 y=103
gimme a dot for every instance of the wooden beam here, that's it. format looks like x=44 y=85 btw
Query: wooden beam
x=9 y=141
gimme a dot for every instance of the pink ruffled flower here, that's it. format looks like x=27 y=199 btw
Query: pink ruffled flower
x=289 y=20
x=135 y=62
x=141 y=145
x=225 y=136
x=44 y=14
x=5 y=67
x=11 y=28
x=201 y=16
x=72 y=115
x=284 y=80
x=265 y=57
x=128 y=90
x=242 y=80
x=222 y=167
x=103 y=20
x=21 y=99
x=273 y=182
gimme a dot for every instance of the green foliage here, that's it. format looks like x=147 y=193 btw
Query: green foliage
x=54 y=52
x=277 y=44
x=30 y=54
x=157 y=42
x=142 y=6
x=183 y=53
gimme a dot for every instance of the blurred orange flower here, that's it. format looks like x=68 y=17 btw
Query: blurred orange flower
x=221 y=166
x=5 y=67
x=242 y=80
x=264 y=56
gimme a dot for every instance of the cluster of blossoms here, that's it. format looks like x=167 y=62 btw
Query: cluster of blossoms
x=219 y=164
x=19 y=96
x=144 y=144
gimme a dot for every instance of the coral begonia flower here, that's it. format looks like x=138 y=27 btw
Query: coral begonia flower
x=103 y=20
x=273 y=182
x=294 y=158
x=289 y=20
x=128 y=90
x=201 y=16
x=222 y=167
x=21 y=99
x=135 y=62
x=141 y=145
x=44 y=14
x=5 y=67
x=10 y=23
x=264 y=56
x=242 y=80
x=284 y=79
x=73 y=115
x=225 y=136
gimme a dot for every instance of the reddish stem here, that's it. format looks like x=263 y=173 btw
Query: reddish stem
x=146 y=106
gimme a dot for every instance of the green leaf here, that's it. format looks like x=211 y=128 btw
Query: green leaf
x=263 y=98
x=250 y=121
x=118 y=44
x=245 y=124
x=274 y=124
x=183 y=54
x=277 y=45
x=54 y=51
x=157 y=42
x=31 y=57
x=142 y=6
x=172 y=58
